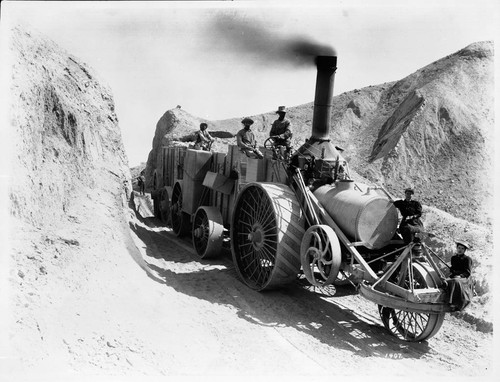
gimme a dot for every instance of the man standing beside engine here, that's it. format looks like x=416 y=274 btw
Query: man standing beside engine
x=411 y=210
x=281 y=130
x=245 y=139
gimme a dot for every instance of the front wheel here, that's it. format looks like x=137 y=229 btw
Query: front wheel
x=413 y=326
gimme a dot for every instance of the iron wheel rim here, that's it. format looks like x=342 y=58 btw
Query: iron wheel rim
x=256 y=239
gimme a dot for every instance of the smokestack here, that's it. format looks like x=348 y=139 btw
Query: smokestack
x=323 y=100
x=319 y=145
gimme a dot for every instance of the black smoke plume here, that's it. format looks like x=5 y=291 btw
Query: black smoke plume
x=255 y=42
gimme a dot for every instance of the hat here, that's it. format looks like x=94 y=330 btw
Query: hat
x=281 y=109
x=463 y=242
x=410 y=190
x=247 y=120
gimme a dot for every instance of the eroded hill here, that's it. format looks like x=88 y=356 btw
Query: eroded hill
x=67 y=188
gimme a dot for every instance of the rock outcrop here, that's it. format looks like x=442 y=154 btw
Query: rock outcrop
x=68 y=183
x=66 y=135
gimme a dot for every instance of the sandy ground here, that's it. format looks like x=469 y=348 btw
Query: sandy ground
x=112 y=308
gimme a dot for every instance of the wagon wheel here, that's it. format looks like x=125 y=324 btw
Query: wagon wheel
x=156 y=208
x=180 y=220
x=164 y=207
x=267 y=228
x=413 y=326
x=320 y=255
x=207 y=231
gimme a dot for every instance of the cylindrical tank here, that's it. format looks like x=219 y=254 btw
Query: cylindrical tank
x=364 y=216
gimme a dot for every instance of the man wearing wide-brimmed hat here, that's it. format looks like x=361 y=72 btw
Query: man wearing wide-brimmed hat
x=411 y=211
x=460 y=283
x=461 y=264
x=245 y=139
x=281 y=129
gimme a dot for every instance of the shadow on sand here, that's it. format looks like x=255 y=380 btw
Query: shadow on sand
x=292 y=306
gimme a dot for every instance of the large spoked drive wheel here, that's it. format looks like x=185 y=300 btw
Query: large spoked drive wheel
x=413 y=326
x=180 y=220
x=266 y=232
x=320 y=255
x=207 y=232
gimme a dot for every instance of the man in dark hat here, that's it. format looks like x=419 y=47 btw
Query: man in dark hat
x=245 y=139
x=461 y=264
x=411 y=211
x=281 y=130
x=203 y=138
x=460 y=284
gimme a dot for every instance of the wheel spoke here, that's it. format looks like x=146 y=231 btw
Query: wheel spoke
x=318 y=242
x=326 y=246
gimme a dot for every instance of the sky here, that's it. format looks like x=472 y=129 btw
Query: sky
x=230 y=59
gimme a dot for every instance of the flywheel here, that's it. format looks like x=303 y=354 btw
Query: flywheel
x=320 y=255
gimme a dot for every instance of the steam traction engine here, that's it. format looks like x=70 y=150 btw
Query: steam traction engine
x=287 y=213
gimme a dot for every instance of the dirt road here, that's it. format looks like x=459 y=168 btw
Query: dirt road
x=89 y=302
x=230 y=328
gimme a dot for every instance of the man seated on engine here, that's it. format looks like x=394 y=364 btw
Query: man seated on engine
x=203 y=138
x=245 y=139
x=411 y=211
x=281 y=130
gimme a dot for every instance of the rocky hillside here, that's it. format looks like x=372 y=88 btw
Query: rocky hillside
x=68 y=183
x=67 y=138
